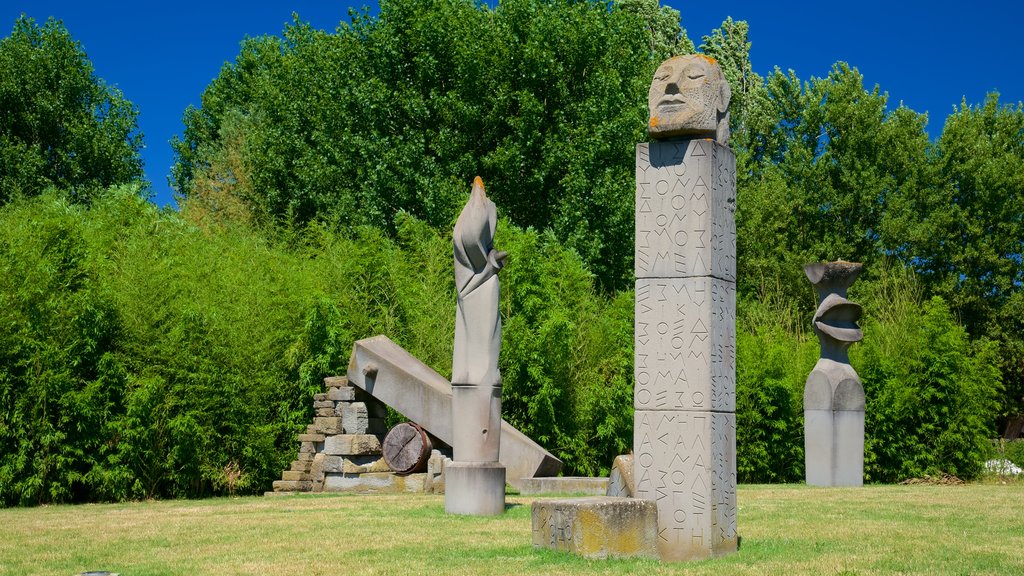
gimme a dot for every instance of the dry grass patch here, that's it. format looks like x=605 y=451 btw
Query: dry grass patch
x=974 y=529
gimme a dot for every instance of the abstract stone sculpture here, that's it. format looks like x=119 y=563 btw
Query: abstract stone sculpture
x=475 y=482
x=833 y=395
x=684 y=441
x=689 y=97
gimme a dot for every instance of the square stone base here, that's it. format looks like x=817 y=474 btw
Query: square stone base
x=474 y=488
x=597 y=527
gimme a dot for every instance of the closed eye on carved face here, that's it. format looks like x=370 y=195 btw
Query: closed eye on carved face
x=694 y=72
x=663 y=74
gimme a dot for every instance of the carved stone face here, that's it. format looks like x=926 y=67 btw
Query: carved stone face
x=689 y=96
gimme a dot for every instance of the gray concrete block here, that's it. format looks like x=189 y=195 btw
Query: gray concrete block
x=597 y=527
x=352 y=445
x=354 y=418
x=564 y=485
x=346 y=394
x=685 y=205
x=685 y=462
x=474 y=488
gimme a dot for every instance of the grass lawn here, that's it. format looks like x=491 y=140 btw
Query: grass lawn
x=787 y=529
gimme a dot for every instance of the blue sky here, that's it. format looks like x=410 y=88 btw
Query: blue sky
x=929 y=55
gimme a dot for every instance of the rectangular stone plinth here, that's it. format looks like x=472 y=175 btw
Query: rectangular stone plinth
x=564 y=485
x=685 y=342
x=597 y=527
x=685 y=205
x=686 y=463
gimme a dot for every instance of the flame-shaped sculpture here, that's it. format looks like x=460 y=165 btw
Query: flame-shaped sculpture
x=475 y=480
x=833 y=395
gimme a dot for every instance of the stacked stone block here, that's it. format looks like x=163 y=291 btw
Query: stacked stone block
x=685 y=340
x=341 y=449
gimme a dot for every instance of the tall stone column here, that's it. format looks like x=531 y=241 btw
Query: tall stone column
x=475 y=480
x=833 y=395
x=684 y=439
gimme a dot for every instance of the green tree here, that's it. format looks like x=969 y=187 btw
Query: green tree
x=60 y=125
x=544 y=100
x=823 y=161
x=964 y=233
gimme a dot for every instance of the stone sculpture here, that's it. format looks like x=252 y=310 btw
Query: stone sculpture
x=684 y=441
x=689 y=97
x=833 y=395
x=475 y=482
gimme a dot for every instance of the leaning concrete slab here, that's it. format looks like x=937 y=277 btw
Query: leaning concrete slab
x=390 y=374
x=597 y=527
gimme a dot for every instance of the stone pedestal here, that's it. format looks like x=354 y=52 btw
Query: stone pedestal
x=474 y=488
x=684 y=439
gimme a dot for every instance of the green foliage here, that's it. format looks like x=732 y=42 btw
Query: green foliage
x=773 y=360
x=543 y=100
x=819 y=166
x=930 y=390
x=145 y=356
x=1014 y=452
x=60 y=125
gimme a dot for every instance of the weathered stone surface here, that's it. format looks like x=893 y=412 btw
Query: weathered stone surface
x=304 y=456
x=407 y=448
x=323 y=404
x=364 y=465
x=689 y=97
x=621 y=479
x=307 y=448
x=352 y=445
x=319 y=397
x=686 y=463
x=311 y=437
x=374 y=482
x=685 y=205
x=564 y=485
x=685 y=344
x=326 y=412
x=292 y=486
x=301 y=465
x=597 y=527
x=328 y=425
x=474 y=488
x=354 y=418
x=399 y=379
x=346 y=394
x=294 y=475
x=336 y=382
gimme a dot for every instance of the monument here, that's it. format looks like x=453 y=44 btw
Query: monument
x=684 y=439
x=475 y=480
x=833 y=395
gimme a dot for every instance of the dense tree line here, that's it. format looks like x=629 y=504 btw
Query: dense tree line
x=318 y=183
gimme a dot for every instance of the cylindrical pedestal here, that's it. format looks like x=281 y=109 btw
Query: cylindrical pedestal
x=474 y=488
